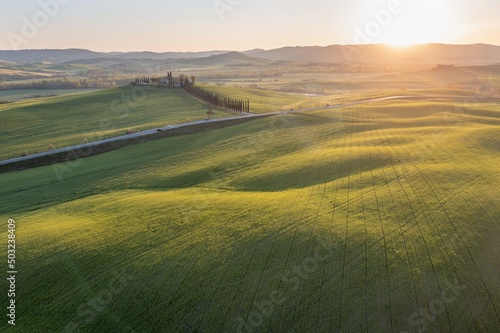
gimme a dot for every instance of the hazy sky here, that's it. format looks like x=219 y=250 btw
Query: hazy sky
x=195 y=25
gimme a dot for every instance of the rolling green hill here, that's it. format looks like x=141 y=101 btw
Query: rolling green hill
x=224 y=60
x=24 y=94
x=35 y=125
x=379 y=218
x=262 y=101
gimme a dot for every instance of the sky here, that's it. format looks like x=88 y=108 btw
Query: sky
x=201 y=25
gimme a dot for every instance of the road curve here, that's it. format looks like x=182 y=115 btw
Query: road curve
x=245 y=115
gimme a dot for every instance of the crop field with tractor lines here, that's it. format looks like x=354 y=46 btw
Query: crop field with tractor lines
x=370 y=218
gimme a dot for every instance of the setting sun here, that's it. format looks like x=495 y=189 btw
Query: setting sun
x=419 y=23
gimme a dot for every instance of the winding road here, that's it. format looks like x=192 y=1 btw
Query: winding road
x=245 y=115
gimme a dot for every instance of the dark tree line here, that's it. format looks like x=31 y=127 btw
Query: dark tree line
x=232 y=104
x=170 y=80
x=150 y=79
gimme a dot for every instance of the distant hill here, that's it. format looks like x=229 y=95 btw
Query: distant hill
x=53 y=56
x=61 y=56
x=479 y=54
x=120 y=65
x=488 y=70
x=234 y=59
x=162 y=56
x=475 y=54
x=227 y=59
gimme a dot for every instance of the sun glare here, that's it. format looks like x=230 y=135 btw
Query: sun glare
x=400 y=44
x=420 y=22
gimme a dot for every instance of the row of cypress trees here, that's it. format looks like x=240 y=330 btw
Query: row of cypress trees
x=232 y=104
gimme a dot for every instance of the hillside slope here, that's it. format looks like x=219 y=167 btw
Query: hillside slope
x=35 y=125
x=377 y=53
x=380 y=218
x=374 y=53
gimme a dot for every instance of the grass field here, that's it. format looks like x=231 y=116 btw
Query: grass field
x=373 y=218
x=23 y=94
x=34 y=125
x=358 y=84
x=262 y=101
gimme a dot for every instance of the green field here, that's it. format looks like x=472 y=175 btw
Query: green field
x=23 y=94
x=41 y=124
x=262 y=101
x=373 y=218
x=311 y=81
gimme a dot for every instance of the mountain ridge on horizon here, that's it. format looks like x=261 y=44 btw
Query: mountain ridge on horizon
x=431 y=53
